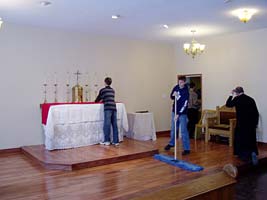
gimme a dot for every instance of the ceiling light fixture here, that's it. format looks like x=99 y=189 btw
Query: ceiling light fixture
x=115 y=16
x=244 y=14
x=166 y=26
x=45 y=3
x=194 y=48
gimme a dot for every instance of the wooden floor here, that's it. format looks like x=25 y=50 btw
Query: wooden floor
x=21 y=178
x=90 y=156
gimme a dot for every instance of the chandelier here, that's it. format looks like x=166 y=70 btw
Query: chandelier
x=194 y=48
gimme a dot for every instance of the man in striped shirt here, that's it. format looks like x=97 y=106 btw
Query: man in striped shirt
x=107 y=96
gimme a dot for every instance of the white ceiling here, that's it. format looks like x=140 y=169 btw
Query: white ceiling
x=140 y=19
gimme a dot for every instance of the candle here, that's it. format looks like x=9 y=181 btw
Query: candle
x=45 y=80
x=68 y=78
x=87 y=79
x=95 y=79
x=55 y=77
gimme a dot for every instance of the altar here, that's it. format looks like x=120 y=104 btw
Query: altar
x=75 y=125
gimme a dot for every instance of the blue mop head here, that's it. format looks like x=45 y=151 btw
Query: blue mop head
x=178 y=163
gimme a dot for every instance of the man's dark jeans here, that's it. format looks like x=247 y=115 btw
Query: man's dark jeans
x=110 y=118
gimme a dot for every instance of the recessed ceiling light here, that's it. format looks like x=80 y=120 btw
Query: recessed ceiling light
x=45 y=3
x=115 y=16
x=166 y=26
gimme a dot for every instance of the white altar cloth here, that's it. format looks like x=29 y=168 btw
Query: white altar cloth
x=70 y=126
x=141 y=126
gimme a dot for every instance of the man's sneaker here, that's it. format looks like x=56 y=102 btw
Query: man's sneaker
x=231 y=170
x=254 y=158
x=116 y=144
x=105 y=143
x=168 y=147
x=185 y=152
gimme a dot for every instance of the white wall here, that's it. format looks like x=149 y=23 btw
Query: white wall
x=143 y=74
x=237 y=59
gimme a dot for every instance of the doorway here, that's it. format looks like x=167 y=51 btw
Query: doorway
x=197 y=80
x=194 y=112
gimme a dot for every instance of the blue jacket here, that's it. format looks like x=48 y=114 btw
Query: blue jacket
x=182 y=102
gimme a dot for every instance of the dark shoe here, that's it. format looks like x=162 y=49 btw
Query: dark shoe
x=254 y=158
x=244 y=158
x=168 y=147
x=185 y=152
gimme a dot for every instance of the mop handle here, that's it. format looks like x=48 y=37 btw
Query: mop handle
x=175 y=127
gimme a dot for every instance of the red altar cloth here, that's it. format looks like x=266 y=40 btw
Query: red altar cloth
x=45 y=108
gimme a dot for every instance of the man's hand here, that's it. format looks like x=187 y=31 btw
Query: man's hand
x=176 y=117
x=176 y=94
x=234 y=93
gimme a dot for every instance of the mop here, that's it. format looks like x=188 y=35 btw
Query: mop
x=174 y=161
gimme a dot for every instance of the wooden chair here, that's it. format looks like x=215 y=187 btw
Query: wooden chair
x=201 y=125
x=222 y=124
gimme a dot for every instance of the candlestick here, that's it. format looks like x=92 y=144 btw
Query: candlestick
x=68 y=93
x=95 y=85
x=96 y=89
x=87 y=93
x=55 y=100
x=45 y=85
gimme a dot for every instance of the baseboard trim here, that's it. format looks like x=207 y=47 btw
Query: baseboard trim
x=12 y=150
x=163 y=133
x=263 y=144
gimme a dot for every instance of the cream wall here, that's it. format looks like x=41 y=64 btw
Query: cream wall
x=237 y=59
x=143 y=74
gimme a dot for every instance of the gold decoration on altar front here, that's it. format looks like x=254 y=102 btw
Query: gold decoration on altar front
x=77 y=90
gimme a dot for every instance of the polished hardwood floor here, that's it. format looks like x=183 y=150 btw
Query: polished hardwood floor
x=21 y=178
x=90 y=156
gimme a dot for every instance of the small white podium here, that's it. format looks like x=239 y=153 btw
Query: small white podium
x=141 y=126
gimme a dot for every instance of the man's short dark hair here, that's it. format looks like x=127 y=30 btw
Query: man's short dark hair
x=108 y=81
x=183 y=78
x=239 y=90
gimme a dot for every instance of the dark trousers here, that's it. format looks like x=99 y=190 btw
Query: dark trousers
x=192 y=115
x=245 y=141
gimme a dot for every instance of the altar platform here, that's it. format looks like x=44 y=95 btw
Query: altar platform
x=90 y=156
